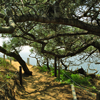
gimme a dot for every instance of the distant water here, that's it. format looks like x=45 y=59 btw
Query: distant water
x=25 y=54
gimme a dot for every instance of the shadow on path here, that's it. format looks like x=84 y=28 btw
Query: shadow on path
x=41 y=86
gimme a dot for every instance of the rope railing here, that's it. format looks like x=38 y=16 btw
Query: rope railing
x=79 y=85
x=62 y=72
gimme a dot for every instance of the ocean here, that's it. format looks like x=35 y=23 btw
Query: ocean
x=25 y=54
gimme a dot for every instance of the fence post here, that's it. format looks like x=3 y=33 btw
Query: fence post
x=60 y=65
x=4 y=56
x=98 y=95
x=28 y=61
x=87 y=70
x=20 y=75
x=73 y=92
x=68 y=68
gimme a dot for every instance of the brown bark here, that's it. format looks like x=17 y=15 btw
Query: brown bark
x=48 y=64
x=18 y=58
x=23 y=64
x=55 y=70
x=63 y=21
x=58 y=68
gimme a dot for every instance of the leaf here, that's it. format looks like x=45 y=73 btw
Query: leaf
x=7 y=76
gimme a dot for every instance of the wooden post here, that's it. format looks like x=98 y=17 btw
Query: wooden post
x=98 y=95
x=20 y=75
x=87 y=70
x=37 y=63
x=73 y=92
x=60 y=65
x=28 y=61
x=68 y=68
x=4 y=56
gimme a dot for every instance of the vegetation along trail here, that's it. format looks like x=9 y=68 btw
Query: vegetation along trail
x=42 y=86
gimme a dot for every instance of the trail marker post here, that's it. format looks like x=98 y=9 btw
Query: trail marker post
x=28 y=61
x=4 y=56
x=20 y=75
x=73 y=92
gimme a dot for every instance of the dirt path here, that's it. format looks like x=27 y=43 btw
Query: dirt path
x=41 y=86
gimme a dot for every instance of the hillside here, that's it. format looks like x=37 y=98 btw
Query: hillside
x=39 y=86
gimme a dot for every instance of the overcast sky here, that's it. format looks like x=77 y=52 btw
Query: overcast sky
x=24 y=49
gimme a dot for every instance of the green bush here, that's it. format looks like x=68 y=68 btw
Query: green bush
x=80 y=80
x=43 y=68
x=64 y=79
x=3 y=62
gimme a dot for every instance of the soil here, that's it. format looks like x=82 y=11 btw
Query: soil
x=42 y=86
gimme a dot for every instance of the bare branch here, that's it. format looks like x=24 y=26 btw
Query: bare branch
x=10 y=28
x=91 y=54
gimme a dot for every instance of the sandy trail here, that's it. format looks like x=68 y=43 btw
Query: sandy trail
x=41 y=86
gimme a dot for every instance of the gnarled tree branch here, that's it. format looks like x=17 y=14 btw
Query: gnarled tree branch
x=10 y=28
x=63 y=21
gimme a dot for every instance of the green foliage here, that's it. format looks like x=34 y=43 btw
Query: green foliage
x=5 y=65
x=28 y=32
x=94 y=89
x=64 y=79
x=3 y=62
x=43 y=68
x=80 y=80
x=7 y=76
x=75 y=77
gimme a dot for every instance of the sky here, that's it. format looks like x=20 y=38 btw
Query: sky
x=24 y=49
x=24 y=53
x=1 y=40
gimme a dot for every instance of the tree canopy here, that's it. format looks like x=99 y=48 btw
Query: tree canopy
x=58 y=28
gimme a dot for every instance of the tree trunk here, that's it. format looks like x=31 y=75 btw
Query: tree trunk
x=58 y=68
x=48 y=64
x=55 y=70
x=18 y=58
x=23 y=64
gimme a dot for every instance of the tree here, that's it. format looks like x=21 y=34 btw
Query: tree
x=58 y=28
